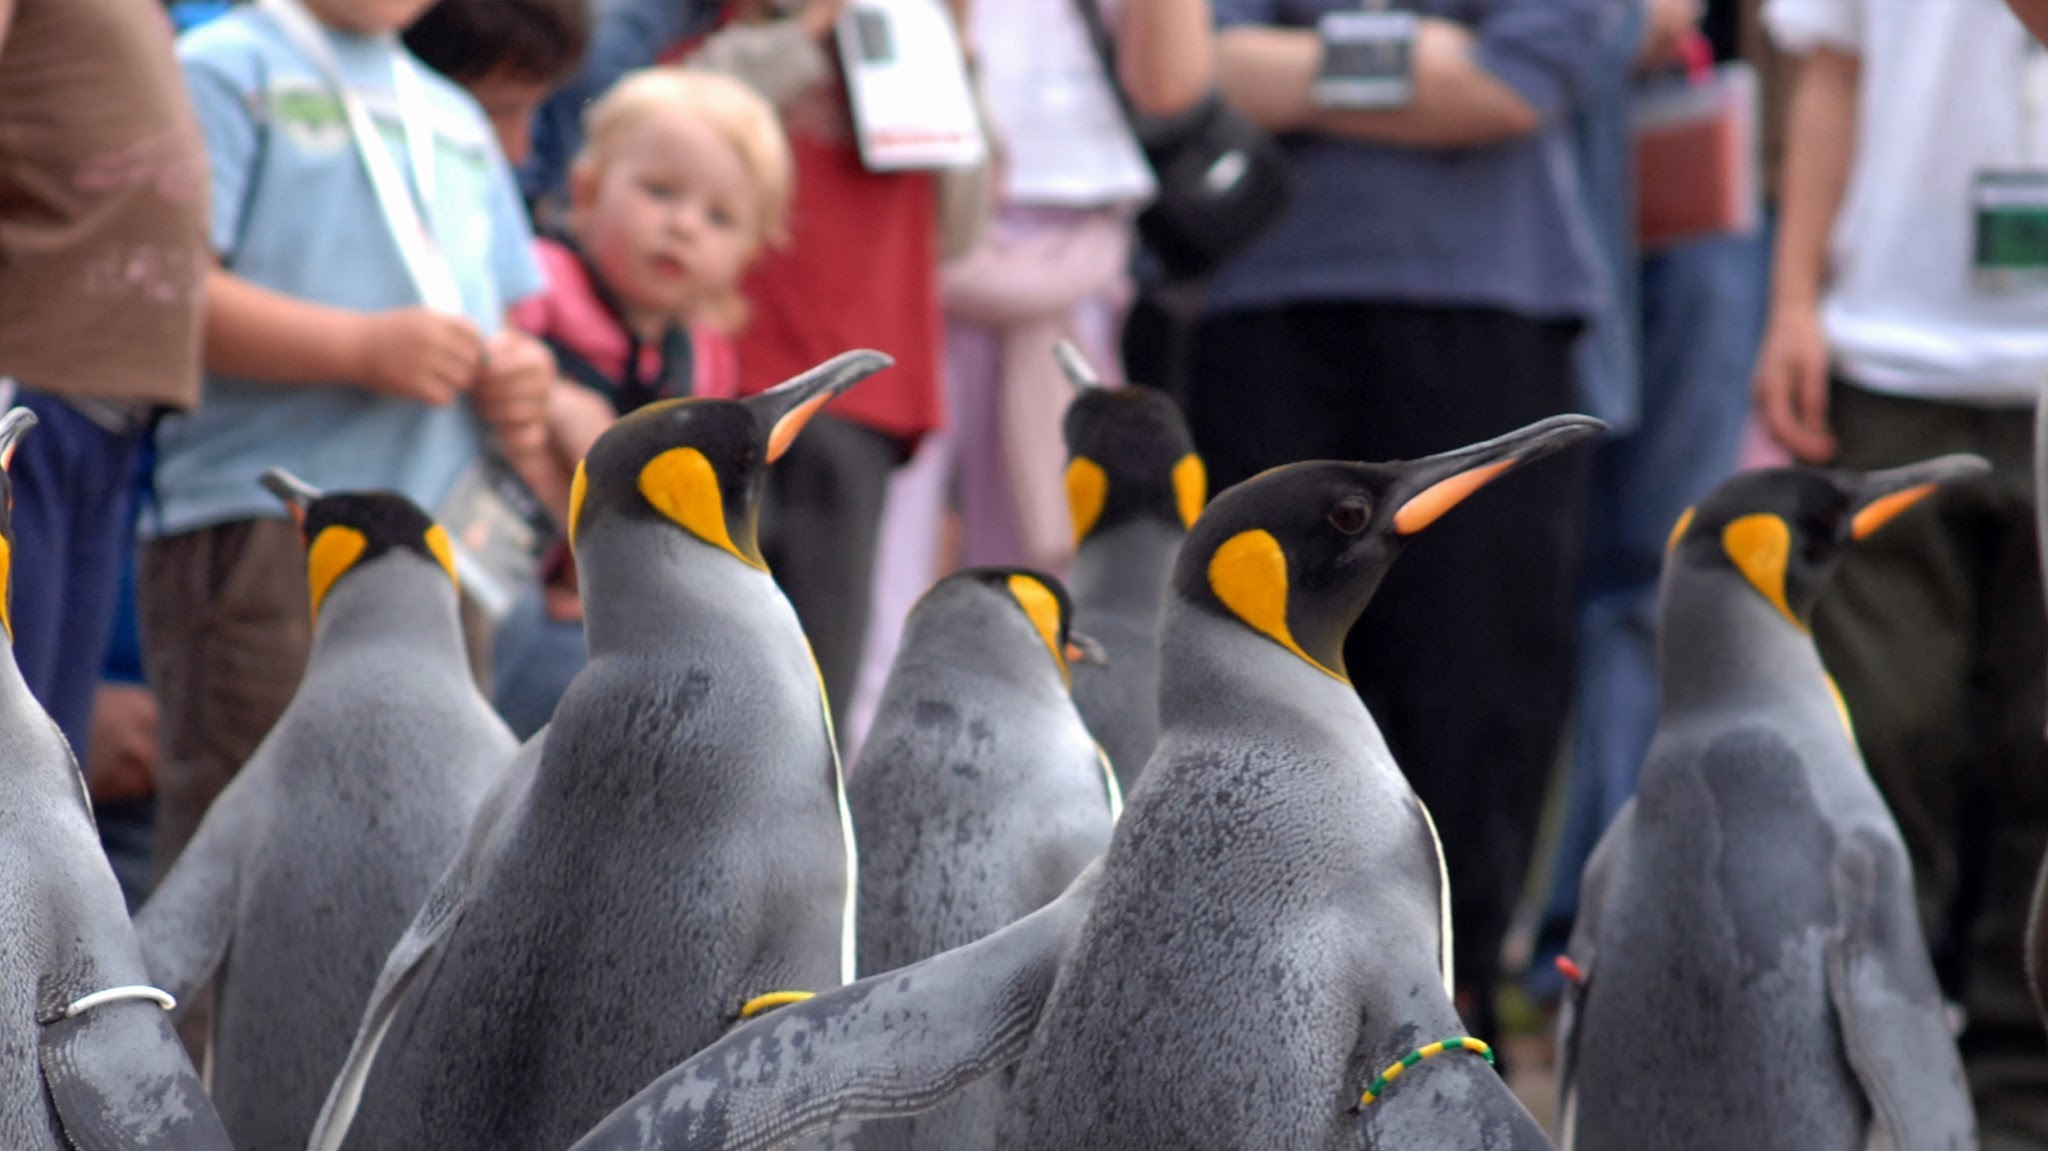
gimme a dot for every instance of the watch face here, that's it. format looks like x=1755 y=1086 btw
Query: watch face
x=1368 y=58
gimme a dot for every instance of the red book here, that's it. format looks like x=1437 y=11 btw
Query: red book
x=1696 y=157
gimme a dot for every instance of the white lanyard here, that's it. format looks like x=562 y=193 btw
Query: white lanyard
x=424 y=263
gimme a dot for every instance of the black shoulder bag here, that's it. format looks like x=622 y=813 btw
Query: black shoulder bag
x=1222 y=179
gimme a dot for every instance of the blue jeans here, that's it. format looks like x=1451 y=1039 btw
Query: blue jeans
x=1702 y=315
x=74 y=529
x=533 y=658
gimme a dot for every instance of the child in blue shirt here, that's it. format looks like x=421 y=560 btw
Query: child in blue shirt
x=321 y=355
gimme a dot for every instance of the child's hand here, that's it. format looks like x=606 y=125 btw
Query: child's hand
x=418 y=354
x=512 y=390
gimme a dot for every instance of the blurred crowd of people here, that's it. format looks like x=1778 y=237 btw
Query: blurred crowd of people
x=439 y=247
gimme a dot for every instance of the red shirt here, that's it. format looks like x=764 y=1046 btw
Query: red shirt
x=860 y=271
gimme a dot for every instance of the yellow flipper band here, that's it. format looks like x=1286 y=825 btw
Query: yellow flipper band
x=682 y=485
x=771 y=1001
x=1378 y=1086
x=1087 y=492
x=1190 y=488
x=1760 y=546
x=1249 y=574
x=335 y=551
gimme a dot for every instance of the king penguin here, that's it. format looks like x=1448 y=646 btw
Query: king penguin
x=680 y=856
x=1262 y=957
x=310 y=864
x=1747 y=968
x=88 y=1059
x=1134 y=487
x=977 y=799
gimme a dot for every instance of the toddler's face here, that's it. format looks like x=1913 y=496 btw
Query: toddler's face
x=368 y=17
x=671 y=218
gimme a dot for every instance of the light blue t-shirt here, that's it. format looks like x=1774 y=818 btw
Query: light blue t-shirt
x=294 y=211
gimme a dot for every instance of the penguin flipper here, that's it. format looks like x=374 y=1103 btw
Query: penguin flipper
x=891 y=1045
x=119 y=1080
x=189 y=921
x=418 y=951
x=1583 y=947
x=1894 y=1026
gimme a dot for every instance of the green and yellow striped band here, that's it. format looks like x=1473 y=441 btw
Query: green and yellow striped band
x=1378 y=1086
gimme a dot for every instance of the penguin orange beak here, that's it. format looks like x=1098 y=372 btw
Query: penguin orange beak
x=1431 y=486
x=1877 y=498
x=296 y=494
x=785 y=408
x=14 y=425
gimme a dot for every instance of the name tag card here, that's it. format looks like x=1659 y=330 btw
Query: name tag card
x=499 y=529
x=2009 y=243
x=912 y=107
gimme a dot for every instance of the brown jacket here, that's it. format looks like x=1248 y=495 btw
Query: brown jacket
x=103 y=209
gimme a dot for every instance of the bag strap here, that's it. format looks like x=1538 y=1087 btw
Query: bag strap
x=1105 y=52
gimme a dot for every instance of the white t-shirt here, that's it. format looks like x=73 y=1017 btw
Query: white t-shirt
x=1065 y=140
x=1943 y=97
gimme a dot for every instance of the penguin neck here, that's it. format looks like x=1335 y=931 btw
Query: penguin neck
x=1127 y=566
x=1722 y=644
x=1215 y=670
x=646 y=585
x=939 y=649
x=393 y=601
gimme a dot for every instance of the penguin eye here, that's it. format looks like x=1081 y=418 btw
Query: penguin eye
x=1350 y=515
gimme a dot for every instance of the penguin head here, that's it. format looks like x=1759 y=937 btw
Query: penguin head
x=699 y=465
x=1295 y=553
x=1041 y=599
x=1783 y=529
x=1129 y=455
x=344 y=531
x=14 y=425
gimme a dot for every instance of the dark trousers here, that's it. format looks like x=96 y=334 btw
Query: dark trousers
x=1934 y=630
x=74 y=526
x=1465 y=655
x=819 y=525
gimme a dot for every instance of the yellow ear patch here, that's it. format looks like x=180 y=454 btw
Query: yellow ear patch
x=1249 y=574
x=1884 y=509
x=7 y=586
x=1424 y=508
x=1190 y=488
x=1678 y=530
x=682 y=485
x=1087 y=492
x=444 y=550
x=1760 y=546
x=334 y=551
x=784 y=432
x=1043 y=608
x=579 y=486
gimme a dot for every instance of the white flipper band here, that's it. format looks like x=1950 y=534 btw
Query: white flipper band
x=86 y=1003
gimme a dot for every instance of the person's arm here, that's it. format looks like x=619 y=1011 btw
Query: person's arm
x=254 y=333
x=6 y=20
x=1517 y=70
x=1165 y=54
x=2032 y=13
x=1791 y=383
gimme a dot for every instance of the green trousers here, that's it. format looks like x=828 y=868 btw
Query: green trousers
x=1934 y=629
